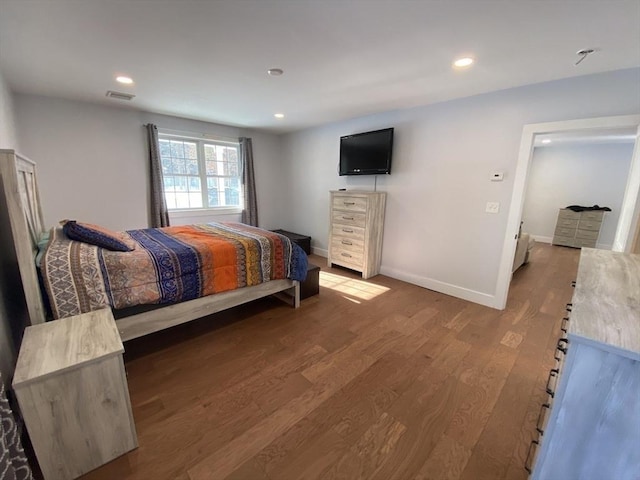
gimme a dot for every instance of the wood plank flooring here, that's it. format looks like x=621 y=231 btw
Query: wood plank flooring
x=374 y=379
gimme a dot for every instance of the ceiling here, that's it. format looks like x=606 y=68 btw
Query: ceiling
x=208 y=60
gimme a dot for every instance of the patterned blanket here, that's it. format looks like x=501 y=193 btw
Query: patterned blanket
x=168 y=265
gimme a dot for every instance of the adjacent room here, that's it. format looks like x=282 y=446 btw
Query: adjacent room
x=287 y=239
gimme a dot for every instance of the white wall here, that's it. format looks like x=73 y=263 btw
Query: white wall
x=8 y=136
x=436 y=233
x=92 y=160
x=576 y=175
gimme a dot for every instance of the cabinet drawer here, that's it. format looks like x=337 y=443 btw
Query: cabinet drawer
x=342 y=256
x=583 y=242
x=589 y=225
x=350 y=204
x=349 y=244
x=587 y=234
x=565 y=213
x=355 y=233
x=566 y=241
x=345 y=218
x=567 y=222
x=592 y=215
x=565 y=231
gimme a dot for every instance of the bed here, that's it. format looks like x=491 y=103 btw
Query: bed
x=172 y=306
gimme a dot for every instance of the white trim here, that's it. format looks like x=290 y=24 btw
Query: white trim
x=198 y=136
x=623 y=240
x=529 y=132
x=442 y=287
x=542 y=239
x=322 y=252
x=204 y=212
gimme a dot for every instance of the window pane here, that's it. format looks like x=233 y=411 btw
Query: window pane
x=169 y=183
x=194 y=184
x=191 y=150
x=192 y=167
x=214 y=200
x=177 y=149
x=171 y=199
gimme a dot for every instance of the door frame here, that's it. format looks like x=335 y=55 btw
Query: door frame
x=626 y=228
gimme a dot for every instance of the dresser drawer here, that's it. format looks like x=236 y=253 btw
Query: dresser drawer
x=344 y=218
x=342 y=256
x=567 y=222
x=350 y=204
x=583 y=242
x=592 y=215
x=565 y=231
x=349 y=244
x=589 y=225
x=347 y=231
x=566 y=241
x=568 y=214
x=587 y=234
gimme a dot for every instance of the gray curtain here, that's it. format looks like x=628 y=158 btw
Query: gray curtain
x=250 y=212
x=159 y=212
x=13 y=461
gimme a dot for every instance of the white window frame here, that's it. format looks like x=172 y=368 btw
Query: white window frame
x=200 y=141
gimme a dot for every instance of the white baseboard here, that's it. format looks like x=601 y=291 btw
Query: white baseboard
x=320 y=251
x=443 y=287
x=542 y=239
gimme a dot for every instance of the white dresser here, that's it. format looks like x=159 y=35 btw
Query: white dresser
x=355 y=236
x=578 y=229
x=593 y=426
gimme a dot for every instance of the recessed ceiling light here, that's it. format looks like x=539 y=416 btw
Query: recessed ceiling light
x=463 y=62
x=278 y=115
x=124 y=79
x=275 y=72
x=546 y=140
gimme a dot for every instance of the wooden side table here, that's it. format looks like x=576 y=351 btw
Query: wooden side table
x=72 y=390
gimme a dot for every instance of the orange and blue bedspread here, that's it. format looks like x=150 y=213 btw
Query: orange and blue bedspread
x=168 y=265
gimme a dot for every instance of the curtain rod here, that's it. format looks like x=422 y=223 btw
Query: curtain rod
x=185 y=133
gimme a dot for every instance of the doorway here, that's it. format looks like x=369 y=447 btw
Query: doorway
x=626 y=228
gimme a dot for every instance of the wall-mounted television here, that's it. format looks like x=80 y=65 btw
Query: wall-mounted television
x=367 y=153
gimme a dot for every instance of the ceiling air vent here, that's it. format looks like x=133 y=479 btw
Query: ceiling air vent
x=119 y=95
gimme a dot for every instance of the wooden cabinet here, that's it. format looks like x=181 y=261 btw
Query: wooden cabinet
x=578 y=229
x=355 y=236
x=72 y=390
x=593 y=426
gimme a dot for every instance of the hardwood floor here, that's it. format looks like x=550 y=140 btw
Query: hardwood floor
x=374 y=379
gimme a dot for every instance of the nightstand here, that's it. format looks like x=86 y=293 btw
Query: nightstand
x=72 y=390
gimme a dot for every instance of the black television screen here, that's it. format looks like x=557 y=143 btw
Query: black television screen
x=366 y=153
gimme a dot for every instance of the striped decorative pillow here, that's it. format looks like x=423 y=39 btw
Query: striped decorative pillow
x=99 y=236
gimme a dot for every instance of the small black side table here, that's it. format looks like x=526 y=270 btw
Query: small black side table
x=302 y=240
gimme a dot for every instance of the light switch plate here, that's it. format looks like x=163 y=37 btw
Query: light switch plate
x=493 y=207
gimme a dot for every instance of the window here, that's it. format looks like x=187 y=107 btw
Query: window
x=200 y=174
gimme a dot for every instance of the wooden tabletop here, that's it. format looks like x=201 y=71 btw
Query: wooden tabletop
x=606 y=303
x=52 y=347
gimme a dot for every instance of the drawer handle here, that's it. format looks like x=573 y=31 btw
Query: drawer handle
x=552 y=373
x=347 y=230
x=345 y=255
x=527 y=464
x=349 y=203
x=565 y=324
x=347 y=218
x=346 y=242
x=540 y=415
x=569 y=307
x=573 y=283
x=560 y=347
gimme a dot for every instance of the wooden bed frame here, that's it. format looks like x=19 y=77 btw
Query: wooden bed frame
x=22 y=200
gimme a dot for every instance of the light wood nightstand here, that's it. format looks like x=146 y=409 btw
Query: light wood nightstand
x=72 y=390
